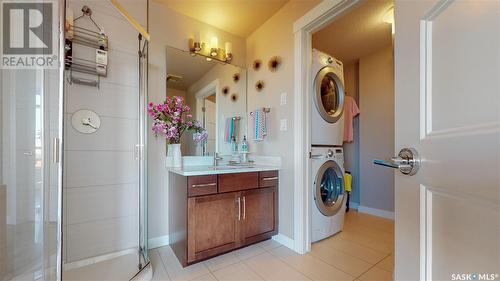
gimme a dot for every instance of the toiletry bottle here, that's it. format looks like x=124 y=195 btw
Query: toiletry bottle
x=244 y=145
x=234 y=145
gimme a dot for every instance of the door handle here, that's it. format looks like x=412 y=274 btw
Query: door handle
x=239 y=208
x=407 y=161
x=244 y=208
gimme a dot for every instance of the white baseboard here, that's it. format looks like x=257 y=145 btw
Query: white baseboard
x=158 y=242
x=376 y=212
x=353 y=205
x=98 y=259
x=284 y=240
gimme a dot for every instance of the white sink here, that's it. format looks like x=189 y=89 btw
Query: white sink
x=231 y=167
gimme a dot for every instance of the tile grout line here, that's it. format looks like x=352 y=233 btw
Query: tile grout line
x=349 y=254
x=373 y=267
x=164 y=265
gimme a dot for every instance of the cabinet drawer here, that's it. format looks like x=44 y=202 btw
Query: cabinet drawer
x=236 y=182
x=268 y=179
x=202 y=185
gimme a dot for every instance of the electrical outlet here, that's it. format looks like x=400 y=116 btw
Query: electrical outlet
x=283 y=126
x=283 y=99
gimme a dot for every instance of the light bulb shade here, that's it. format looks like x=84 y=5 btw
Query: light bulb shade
x=214 y=43
x=229 y=48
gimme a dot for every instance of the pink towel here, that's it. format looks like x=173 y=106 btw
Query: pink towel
x=351 y=110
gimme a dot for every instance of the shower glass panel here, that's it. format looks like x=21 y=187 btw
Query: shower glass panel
x=29 y=174
x=30 y=166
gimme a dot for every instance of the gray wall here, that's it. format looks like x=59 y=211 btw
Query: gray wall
x=376 y=125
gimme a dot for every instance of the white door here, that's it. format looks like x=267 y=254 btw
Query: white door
x=447 y=56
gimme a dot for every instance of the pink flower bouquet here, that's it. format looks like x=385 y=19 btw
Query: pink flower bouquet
x=172 y=118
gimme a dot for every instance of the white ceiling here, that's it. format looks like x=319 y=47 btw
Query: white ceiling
x=239 y=17
x=357 y=33
x=191 y=68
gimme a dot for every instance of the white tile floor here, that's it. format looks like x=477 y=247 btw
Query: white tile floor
x=363 y=251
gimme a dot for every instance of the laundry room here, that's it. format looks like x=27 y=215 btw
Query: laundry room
x=352 y=116
x=364 y=44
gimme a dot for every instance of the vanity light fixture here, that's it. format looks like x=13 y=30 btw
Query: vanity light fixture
x=211 y=50
x=389 y=18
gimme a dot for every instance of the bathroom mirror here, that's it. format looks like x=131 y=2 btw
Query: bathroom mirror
x=217 y=98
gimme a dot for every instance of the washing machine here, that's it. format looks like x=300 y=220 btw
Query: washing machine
x=328 y=100
x=328 y=194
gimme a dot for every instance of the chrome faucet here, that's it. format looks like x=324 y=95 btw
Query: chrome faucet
x=217 y=158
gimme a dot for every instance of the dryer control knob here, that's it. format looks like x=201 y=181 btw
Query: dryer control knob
x=329 y=60
x=329 y=153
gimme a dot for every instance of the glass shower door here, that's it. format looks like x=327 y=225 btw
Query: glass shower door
x=29 y=174
x=30 y=166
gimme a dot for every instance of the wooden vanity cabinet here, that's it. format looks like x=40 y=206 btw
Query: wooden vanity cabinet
x=239 y=212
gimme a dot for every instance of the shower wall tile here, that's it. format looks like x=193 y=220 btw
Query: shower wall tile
x=86 y=204
x=101 y=237
x=122 y=66
x=90 y=168
x=115 y=134
x=110 y=100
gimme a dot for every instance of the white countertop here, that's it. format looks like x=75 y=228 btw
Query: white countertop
x=211 y=170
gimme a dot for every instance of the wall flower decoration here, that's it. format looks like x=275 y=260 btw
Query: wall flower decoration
x=225 y=91
x=234 y=97
x=274 y=63
x=257 y=64
x=259 y=86
x=236 y=77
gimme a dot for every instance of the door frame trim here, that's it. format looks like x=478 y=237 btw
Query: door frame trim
x=318 y=17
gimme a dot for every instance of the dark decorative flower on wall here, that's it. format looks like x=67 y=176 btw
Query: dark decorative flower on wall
x=274 y=63
x=236 y=77
x=234 y=97
x=225 y=91
x=257 y=64
x=259 y=86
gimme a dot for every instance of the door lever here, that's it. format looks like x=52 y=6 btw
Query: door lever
x=407 y=161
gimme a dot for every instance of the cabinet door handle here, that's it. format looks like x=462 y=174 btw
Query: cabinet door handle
x=203 y=185
x=239 y=208
x=270 y=179
x=244 y=208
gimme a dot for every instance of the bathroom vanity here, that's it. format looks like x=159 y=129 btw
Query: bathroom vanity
x=214 y=210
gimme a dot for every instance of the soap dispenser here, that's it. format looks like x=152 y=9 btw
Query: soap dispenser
x=244 y=150
x=244 y=145
x=234 y=145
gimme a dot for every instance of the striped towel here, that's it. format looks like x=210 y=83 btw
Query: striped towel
x=230 y=130
x=260 y=125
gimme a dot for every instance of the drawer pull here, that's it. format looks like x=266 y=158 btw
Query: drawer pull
x=203 y=185
x=270 y=179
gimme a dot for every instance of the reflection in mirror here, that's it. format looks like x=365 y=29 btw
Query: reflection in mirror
x=217 y=101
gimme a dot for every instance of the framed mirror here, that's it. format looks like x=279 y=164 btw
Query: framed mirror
x=217 y=100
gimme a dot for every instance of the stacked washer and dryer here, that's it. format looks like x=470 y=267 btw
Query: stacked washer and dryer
x=327 y=157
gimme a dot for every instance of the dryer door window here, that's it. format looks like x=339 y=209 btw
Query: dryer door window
x=329 y=193
x=329 y=95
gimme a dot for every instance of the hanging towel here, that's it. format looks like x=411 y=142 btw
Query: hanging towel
x=230 y=129
x=351 y=110
x=260 y=125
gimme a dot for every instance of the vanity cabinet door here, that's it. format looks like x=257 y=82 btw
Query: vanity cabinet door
x=259 y=214
x=213 y=226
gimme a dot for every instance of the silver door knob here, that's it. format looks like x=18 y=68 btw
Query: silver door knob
x=407 y=161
